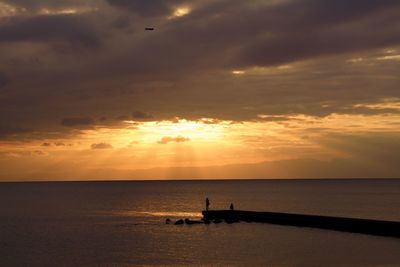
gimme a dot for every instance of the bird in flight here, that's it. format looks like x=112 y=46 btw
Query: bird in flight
x=149 y=29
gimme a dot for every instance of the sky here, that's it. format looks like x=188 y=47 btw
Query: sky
x=219 y=89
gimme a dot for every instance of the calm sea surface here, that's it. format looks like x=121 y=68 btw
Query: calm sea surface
x=123 y=223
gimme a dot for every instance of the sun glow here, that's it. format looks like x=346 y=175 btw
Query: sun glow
x=7 y=10
x=205 y=142
x=196 y=131
x=46 y=11
x=65 y=11
x=180 y=12
x=238 y=72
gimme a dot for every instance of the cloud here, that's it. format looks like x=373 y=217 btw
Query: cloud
x=39 y=153
x=141 y=116
x=46 y=144
x=59 y=144
x=101 y=146
x=209 y=121
x=167 y=139
x=77 y=121
x=4 y=80
x=275 y=118
x=184 y=68
x=71 y=29
x=32 y=5
x=122 y=118
x=146 y=8
x=297 y=30
x=13 y=131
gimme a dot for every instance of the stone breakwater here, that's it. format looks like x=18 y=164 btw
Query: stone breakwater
x=353 y=225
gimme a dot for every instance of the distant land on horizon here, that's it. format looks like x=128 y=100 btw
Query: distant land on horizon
x=284 y=169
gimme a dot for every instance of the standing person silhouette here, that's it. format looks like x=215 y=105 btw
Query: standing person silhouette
x=231 y=207
x=207 y=203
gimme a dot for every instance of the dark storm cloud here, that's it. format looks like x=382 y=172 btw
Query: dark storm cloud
x=316 y=13
x=293 y=30
x=101 y=146
x=73 y=29
x=77 y=121
x=146 y=8
x=182 y=69
x=284 y=49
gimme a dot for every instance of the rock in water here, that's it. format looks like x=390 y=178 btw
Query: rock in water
x=228 y=221
x=188 y=221
x=180 y=221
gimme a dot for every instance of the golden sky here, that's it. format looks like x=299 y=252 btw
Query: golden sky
x=220 y=89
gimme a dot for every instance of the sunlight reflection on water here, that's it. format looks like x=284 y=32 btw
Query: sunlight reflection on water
x=159 y=213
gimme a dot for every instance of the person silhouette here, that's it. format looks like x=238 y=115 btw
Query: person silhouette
x=207 y=203
x=231 y=206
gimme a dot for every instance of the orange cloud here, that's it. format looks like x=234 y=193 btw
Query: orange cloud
x=101 y=146
x=178 y=139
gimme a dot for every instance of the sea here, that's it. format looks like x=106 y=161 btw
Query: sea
x=122 y=223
